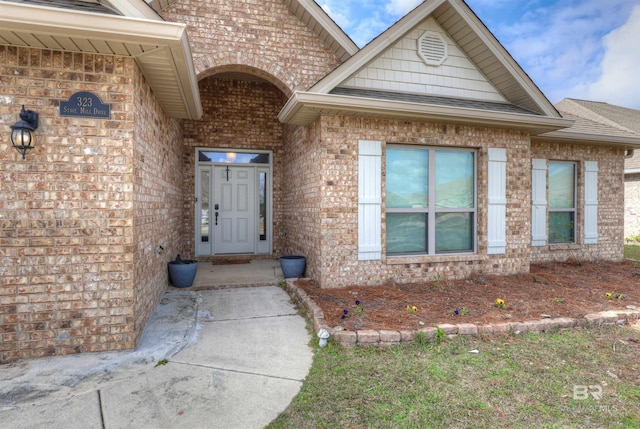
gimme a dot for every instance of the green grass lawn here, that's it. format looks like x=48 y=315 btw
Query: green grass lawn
x=569 y=379
x=632 y=251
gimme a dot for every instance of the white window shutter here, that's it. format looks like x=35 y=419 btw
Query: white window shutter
x=369 y=200
x=497 y=210
x=538 y=202
x=590 y=202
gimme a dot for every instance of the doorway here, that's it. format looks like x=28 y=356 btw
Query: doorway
x=233 y=202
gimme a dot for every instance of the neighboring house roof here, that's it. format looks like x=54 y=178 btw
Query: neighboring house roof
x=160 y=48
x=478 y=69
x=598 y=122
x=616 y=116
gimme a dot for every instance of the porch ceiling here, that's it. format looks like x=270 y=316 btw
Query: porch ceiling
x=160 y=48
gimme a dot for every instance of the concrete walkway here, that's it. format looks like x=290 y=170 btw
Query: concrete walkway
x=236 y=358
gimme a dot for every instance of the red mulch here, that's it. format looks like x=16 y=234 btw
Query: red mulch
x=567 y=289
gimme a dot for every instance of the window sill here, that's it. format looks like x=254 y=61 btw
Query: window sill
x=552 y=247
x=421 y=259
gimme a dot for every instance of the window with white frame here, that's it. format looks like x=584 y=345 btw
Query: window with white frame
x=430 y=200
x=562 y=202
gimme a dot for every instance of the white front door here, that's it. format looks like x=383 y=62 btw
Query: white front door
x=234 y=209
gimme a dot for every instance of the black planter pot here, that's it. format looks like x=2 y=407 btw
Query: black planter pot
x=182 y=272
x=292 y=266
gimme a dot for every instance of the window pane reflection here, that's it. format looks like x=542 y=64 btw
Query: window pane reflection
x=454 y=179
x=263 y=206
x=407 y=178
x=204 y=215
x=406 y=232
x=454 y=232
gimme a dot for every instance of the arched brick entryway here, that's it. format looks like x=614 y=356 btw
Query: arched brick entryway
x=240 y=108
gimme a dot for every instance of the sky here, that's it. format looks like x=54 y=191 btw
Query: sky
x=585 y=49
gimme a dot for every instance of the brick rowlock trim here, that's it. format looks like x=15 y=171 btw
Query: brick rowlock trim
x=385 y=337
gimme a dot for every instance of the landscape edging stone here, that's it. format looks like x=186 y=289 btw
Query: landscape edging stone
x=382 y=337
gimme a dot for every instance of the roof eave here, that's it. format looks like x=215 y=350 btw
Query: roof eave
x=593 y=139
x=304 y=107
x=539 y=102
x=164 y=36
x=335 y=37
x=519 y=75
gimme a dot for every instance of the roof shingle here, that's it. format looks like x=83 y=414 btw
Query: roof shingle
x=431 y=99
x=95 y=6
x=603 y=118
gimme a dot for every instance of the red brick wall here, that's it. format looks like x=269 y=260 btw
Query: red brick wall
x=335 y=151
x=259 y=37
x=66 y=231
x=158 y=200
x=304 y=220
x=610 y=202
x=80 y=216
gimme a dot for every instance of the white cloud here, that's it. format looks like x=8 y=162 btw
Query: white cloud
x=367 y=30
x=620 y=80
x=398 y=8
x=340 y=18
x=559 y=44
x=360 y=19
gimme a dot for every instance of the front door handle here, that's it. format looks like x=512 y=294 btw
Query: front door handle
x=216 y=217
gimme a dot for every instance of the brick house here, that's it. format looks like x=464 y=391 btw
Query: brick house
x=257 y=128
x=622 y=121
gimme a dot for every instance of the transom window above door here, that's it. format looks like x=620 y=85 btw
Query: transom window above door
x=233 y=157
x=430 y=200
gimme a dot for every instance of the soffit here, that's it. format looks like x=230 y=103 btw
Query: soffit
x=160 y=48
x=159 y=5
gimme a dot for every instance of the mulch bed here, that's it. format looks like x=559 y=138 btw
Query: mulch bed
x=568 y=289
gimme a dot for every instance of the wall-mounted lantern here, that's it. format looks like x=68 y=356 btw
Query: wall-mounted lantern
x=22 y=137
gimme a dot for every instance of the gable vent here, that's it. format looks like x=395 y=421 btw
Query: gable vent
x=432 y=48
